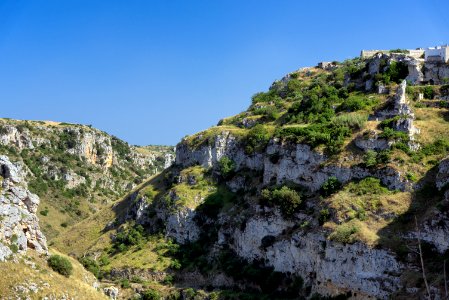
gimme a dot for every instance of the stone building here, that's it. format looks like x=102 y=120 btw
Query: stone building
x=415 y=53
x=437 y=54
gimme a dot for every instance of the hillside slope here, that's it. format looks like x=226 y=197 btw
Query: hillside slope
x=314 y=190
x=75 y=169
x=331 y=185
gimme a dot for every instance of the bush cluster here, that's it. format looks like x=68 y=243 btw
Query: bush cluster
x=331 y=186
x=357 y=102
x=330 y=135
x=344 y=233
x=129 y=237
x=395 y=72
x=373 y=158
x=226 y=167
x=368 y=186
x=60 y=264
x=287 y=199
x=257 y=139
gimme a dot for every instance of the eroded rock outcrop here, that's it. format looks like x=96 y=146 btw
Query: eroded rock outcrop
x=19 y=226
x=224 y=144
x=297 y=163
x=370 y=272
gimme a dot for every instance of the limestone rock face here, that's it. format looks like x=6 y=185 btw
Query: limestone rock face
x=380 y=61
x=169 y=160
x=207 y=156
x=435 y=72
x=179 y=223
x=10 y=135
x=182 y=227
x=370 y=272
x=301 y=165
x=111 y=291
x=434 y=230
x=91 y=145
x=442 y=178
x=263 y=237
x=371 y=141
x=403 y=109
x=435 y=227
x=415 y=74
x=19 y=225
x=72 y=179
x=296 y=163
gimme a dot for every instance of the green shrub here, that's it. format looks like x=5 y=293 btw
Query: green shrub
x=129 y=237
x=397 y=71
x=213 y=203
x=44 y=212
x=226 y=166
x=265 y=97
x=440 y=146
x=257 y=139
x=61 y=265
x=151 y=295
x=389 y=123
x=324 y=216
x=344 y=233
x=330 y=135
x=410 y=176
x=91 y=266
x=67 y=140
x=368 y=186
x=38 y=186
x=399 y=51
x=124 y=283
x=370 y=158
x=270 y=113
x=168 y=279
x=288 y=200
x=120 y=147
x=14 y=248
x=331 y=186
x=357 y=102
x=391 y=134
x=384 y=156
x=428 y=92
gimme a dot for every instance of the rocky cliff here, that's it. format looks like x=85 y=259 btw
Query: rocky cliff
x=19 y=224
x=354 y=143
x=76 y=169
x=332 y=184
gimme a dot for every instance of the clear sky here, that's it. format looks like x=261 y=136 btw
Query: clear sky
x=151 y=72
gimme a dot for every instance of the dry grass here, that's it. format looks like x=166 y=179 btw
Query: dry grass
x=148 y=256
x=209 y=134
x=87 y=234
x=90 y=234
x=78 y=285
x=433 y=123
x=370 y=212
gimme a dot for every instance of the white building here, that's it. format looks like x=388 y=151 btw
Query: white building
x=437 y=54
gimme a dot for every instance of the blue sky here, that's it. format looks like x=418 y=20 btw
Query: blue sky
x=151 y=72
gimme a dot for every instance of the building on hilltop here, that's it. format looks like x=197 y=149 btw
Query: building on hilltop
x=437 y=54
x=431 y=54
x=416 y=53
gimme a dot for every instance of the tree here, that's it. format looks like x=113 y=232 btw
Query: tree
x=226 y=166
